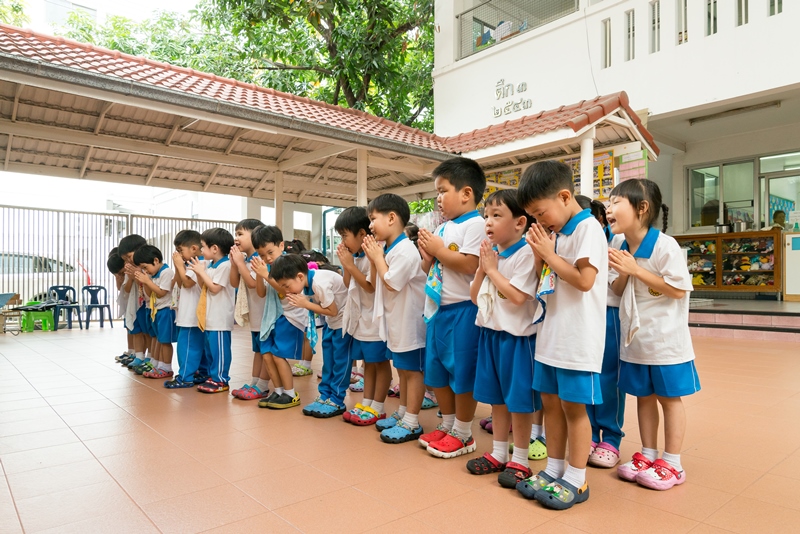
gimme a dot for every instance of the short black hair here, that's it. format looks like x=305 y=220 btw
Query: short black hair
x=388 y=203
x=248 y=224
x=114 y=263
x=544 y=180
x=776 y=212
x=187 y=238
x=463 y=172
x=130 y=243
x=266 y=234
x=219 y=237
x=583 y=201
x=508 y=197
x=599 y=212
x=147 y=254
x=288 y=266
x=353 y=220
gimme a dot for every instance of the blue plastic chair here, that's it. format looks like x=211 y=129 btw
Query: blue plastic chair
x=93 y=303
x=69 y=294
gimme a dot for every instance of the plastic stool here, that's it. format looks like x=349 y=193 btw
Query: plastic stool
x=29 y=319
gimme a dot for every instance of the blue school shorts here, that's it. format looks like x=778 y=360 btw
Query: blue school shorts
x=139 y=324
x=285 y=341
x=369 y=351
x=505 y=371
x=676 y=380
x=164 y=326
x=413 y=360
x=580 y=387
x=452 y=348
x=149 y=324
x=255 y=341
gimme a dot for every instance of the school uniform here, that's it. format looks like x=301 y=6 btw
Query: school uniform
x=191 y=347
x=507 y=340
x=286 y=338
x=398 y=312
x=657 y=354
x=358 y=319
x=571 y=341
x=326 y=288
x=255 y=307
x=452 y=334
x=137 y=311
x=164 y=321
x=219 y=320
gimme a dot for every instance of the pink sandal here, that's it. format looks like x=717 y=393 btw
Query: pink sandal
x=157 y=373
x=604 y=455
x=251 y=393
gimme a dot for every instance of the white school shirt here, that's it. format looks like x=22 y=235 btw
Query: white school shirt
x=614 y=299
x=400 y=312
x=465 y=235
x=359 y=313
x=255 y=304
x=122 y=298
x=572 y=335
x=663 y=337
x=219 y=307
x=328 y=287
x=186 y=316
x=516 y=266
x=163 y=279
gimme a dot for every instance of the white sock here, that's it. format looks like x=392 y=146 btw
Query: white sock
x=354 y=369
x=448 y=421
x=290 y=392
x=537 y=431
x=462 y=429
x=166 y=366
x=673 y=460
x=262 y=384
x=306 y=364
x=366 y=403
x=401 y=411
x=377 y=406
x=411 y=419
x=139 y=355
x=520 y=456
x=500 y=451
x=575 y=476
x=279 y=391
x=650 y=454
x=555 y=468
x=254 y=380
x=129 y=352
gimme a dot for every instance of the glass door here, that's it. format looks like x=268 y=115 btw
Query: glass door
x=781 y=197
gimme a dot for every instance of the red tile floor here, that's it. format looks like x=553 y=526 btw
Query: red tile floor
x=86 y=446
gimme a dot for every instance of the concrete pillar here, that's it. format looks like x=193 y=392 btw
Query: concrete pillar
x=587 y=164
x=361 y=177
x=279 y=199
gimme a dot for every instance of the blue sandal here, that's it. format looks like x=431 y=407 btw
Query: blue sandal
x=176 y=383
x=401 y=433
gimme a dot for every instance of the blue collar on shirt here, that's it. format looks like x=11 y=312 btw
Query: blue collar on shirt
x=199 y=258
x=647 y=245
x=466 y=216
x=158 y=274
x=507 y=253
x=359 y=255
x=309 y=290
x=395 y=242
x=250 y=257
x=609 y=233
x=574 y=221
x=215 y=264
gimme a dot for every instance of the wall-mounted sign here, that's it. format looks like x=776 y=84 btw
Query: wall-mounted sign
x=511 y=103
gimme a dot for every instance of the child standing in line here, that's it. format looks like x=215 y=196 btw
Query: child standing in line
x=191 y=345
x=282 y=330
x=504 y=290
x=242 y=255
x=450 y=259
x=657 y=354
x=116 y=266
x=367 y=345
x=215 y=306
x=157 y=282
x=320 y=292
x=135 y=313
x=571 y=253
x=399 y=299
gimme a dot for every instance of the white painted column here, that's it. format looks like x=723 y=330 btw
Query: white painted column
x=279 y=199
x=587 y=164
x=361 y=177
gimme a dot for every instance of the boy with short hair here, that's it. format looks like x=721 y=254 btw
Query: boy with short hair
x=399 y=298
x=320 y=292
x=215 y=307
x=367 y=345
x=192 y=356
x=571 y=252
x=450 y=258
x=157 y=282
x=116 y=266
x=135 y=312
x=282 y=327
x=242 y=274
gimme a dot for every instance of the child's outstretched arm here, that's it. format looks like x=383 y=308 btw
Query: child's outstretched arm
x=580 y=276
x=625 y=264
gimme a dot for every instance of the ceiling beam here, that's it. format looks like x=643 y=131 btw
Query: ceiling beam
x=86 y=159
x=152 y=171
x=319 y=174
x=73 y=137
x=180 y=124
x=264 y=179
x=303 y=187
x=102 y=117
x=234 y=139
x=211 y=178
x=17 y=92
x=424 y=187
x=397 y=165
x=8 y=152
x=308 y=157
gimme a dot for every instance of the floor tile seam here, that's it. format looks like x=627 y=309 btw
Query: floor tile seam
x=11 y=493
x=763 y=470
x=268 y=511
x=731 y=495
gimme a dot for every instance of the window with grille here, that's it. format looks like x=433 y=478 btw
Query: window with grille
x=655 y=26
x=630 y=35
x=742 y=12
x=711 y=17
x=683 y=28
x=775 y=7
x=606 y=43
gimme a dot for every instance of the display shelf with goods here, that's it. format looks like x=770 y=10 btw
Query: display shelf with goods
x=745 y=261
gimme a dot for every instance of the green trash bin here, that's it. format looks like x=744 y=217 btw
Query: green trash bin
x=29 y=318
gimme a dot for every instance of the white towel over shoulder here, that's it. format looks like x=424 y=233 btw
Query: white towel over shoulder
x=628 y=313
x=486 y=296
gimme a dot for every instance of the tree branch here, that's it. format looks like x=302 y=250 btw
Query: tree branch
x=283 y=66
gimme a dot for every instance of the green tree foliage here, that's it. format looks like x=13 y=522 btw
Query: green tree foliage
x=13 y=12
x=424 y=205
x=372 y=55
